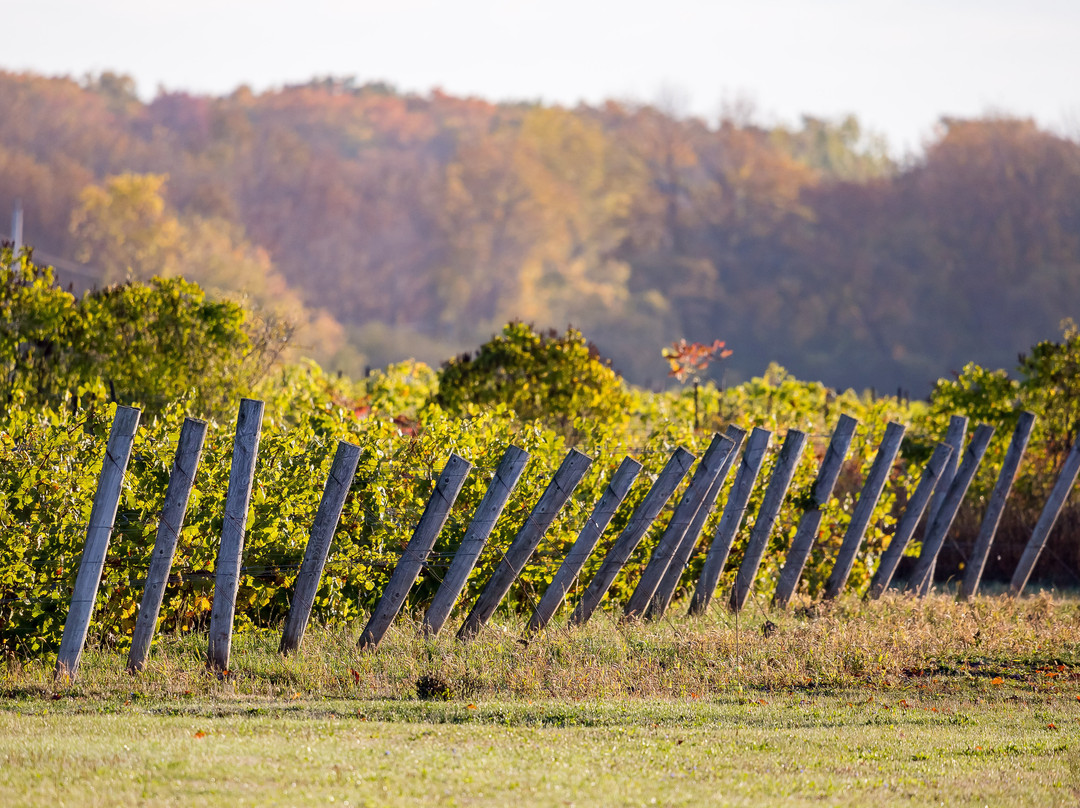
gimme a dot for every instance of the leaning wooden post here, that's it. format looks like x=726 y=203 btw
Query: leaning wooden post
x=922 y=576
x=864 y=508
x=640 y=521
x=181 y=481
x=98 y=533
x=1006 y=477
x=661 y=599
x=476 y=535
x=231 y=551
x=905 y=528
x=1065 y=481
x=442 y=499
x=326 y=521
x=786 y=464
x=692 y=501
x=752 y=458
x=954 y=437
x=553 y=499
x=807 y=531
x=589 y=535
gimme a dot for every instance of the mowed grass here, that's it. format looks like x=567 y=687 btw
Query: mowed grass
x=898 y=702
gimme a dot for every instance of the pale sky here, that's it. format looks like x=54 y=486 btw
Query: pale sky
x=898 y=65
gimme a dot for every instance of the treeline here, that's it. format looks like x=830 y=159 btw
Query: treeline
x=399 y=225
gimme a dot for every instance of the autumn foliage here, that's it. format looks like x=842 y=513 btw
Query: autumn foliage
x=398 y=225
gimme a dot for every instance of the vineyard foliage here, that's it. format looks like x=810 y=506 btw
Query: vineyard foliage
x=543 y=392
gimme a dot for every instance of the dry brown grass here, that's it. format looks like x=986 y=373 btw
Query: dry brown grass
x=937 y=644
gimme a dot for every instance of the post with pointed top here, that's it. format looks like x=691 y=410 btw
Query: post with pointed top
x=98 y=533
x=237 y=499
x=181 y=481
x=327 y=517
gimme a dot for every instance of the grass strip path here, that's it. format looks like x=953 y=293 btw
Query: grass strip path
x=792 y=750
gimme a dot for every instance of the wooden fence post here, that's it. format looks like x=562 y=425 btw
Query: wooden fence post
x=954 y=437
x=326 y=521
x=476 y=535
x=231 y=551
x=1060 y=493
x=996 y=507
x=864 y=508
x=644 y=515
x=730 y=519
x=442 y=499
x=553 y=499
x=589 y=535
x=98 y=532
x=807 y=531
x=905 y=528
x=784 y=471
x=922 y=576
x=661 y=599
x=692 y=501
x=181 y=481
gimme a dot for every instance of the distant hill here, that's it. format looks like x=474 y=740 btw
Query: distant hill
x=416 y=225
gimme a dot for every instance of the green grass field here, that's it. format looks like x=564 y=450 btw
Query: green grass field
x=894 y=703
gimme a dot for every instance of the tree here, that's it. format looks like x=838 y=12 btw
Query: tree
x=550 y=377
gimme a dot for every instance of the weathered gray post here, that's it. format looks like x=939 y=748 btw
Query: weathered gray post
x=730 y=519
x=661 y=599
x=807 y=531
x=476 y=535
x=98 y=533
x=231 y=551
x=938 y=529
x=692 y=501
x=327 y=517
x=589 y=535
x=1006 y=477
x=417 y=551
x=181 y=481
x=954 y=437
x=905 y=528
x=644 y=515
x=553 y=499
x=784 y=471
x=864 y=508
x=1065 y=481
